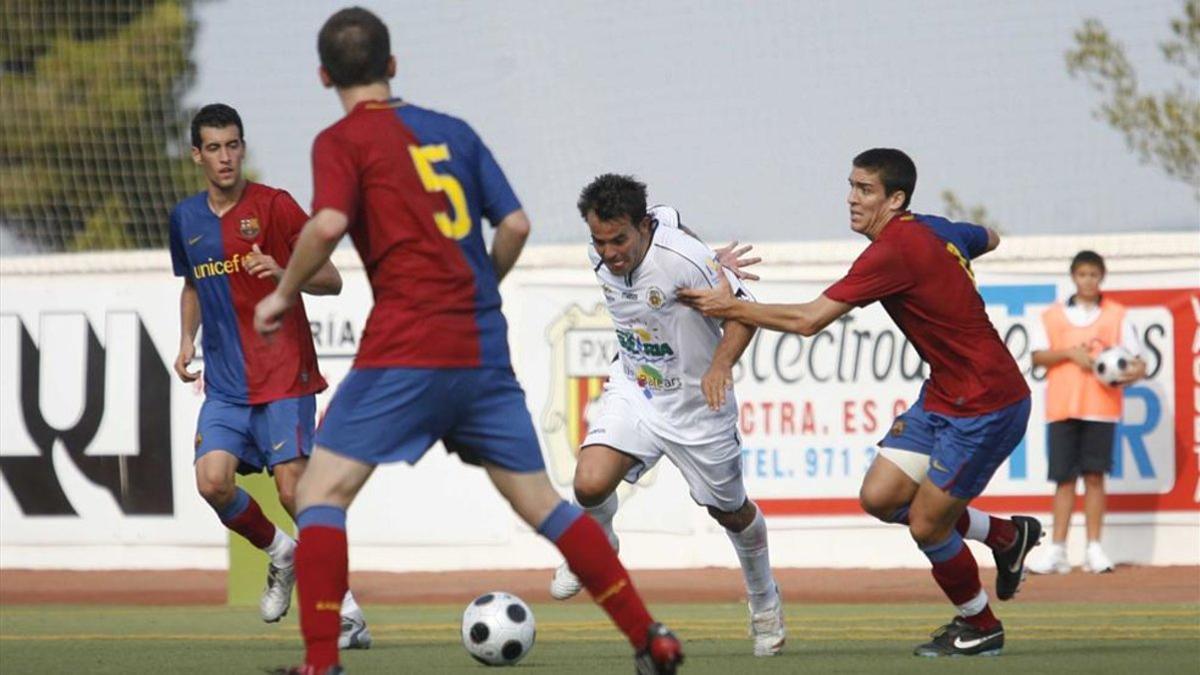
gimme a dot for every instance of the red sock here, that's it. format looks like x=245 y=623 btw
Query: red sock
x=592 y=559
x=253 y=525
x=322 y=578
x=1002 y=534
x=959 y=580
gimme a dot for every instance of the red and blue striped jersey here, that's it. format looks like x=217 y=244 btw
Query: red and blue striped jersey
x=919 y=269
x=241 y=366
x=415 y=185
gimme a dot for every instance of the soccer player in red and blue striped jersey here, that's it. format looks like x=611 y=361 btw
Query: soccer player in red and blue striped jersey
x=229 y=244
x=412 y=187
x=972 y=411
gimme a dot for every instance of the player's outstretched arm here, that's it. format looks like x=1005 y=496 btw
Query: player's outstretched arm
x=804 y=319
x=189 y=324
x=317 y=241
x=510 y=238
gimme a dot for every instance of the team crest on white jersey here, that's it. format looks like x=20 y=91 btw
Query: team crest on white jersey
x=655 y=297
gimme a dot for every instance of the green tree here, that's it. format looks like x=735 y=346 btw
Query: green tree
x=954 y=209
x=1163 y=127
x=92 y=137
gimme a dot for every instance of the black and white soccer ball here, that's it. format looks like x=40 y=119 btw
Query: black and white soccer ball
x=498 y=629
x=1111 y=364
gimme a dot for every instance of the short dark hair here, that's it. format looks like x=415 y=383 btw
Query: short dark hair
x=896 y=170
x=1088 y=258
x=216 y=116
x=612 y=196
x=354 y=47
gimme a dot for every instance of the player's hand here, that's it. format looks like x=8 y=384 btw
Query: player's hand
x=187 y=352
x=268 y=315
x=717 y=302
x=262 y=265
x=1080 y=356
x=734 y=259
x=714 y=384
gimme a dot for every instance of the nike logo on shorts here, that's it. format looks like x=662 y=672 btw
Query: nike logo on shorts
x=278 y=445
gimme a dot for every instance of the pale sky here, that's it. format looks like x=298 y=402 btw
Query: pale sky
x=743 y=115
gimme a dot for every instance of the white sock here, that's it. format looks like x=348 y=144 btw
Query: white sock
x=980 y=525
x=349 y=606
x=603 y=514
x=282 y=549
x=751 y=547
x=974 y=605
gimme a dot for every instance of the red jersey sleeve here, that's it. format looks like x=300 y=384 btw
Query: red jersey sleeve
x=287 y=219
x=335 y=177
x=877 y=273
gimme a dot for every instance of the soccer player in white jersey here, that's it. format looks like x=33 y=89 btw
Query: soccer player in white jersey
x=670 y=389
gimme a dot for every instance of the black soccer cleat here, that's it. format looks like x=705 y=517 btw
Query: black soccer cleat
x=662 y=655
x=959 y=638
x=1010 y=564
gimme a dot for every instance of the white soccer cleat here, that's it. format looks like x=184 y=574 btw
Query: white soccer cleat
x=767 y=629
x=1095 y=560
x=564 y=584
x=1052 y=561
x=277 y=596
x=354 y=633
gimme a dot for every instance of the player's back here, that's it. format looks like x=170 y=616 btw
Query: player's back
x=944 y=316
x=416 y=185
x=919 y=269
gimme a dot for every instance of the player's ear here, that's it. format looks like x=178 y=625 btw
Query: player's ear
x=326 y=80
x=896 y=200
x=196 y=154
x=391 y=67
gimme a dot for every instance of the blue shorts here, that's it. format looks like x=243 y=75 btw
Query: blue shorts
x=963 y=452
x=381 y=415
x=260 y=436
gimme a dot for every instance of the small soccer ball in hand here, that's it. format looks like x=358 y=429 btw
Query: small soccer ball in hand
x=498 y=629
x=1111 y=365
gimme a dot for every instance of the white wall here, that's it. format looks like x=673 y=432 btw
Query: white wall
x=113 y=470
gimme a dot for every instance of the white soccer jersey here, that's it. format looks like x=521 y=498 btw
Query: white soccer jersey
x=666 y=346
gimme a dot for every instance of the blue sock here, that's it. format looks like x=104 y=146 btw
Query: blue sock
x=235 y=508
x=944 y=549
x=561 y=518
x=322 y=515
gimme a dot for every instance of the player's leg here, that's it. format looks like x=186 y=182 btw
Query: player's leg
x=599 y=469
x=903 y=462
x=975 y=629
x=713 y=473
x=325 y=491
x=287 y=476
x=494 y=428
x=584 y=545
x=1097 y=452
x=284 y=432
x=223 y=443
x=1064 y=453
x=965 y=455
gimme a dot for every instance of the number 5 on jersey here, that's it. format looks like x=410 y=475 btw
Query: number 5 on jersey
x=424 y=157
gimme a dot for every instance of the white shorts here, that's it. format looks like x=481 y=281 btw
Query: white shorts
x=713 y=471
